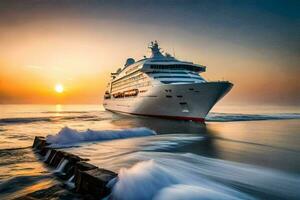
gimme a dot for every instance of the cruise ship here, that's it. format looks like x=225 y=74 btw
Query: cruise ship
x=163 y=86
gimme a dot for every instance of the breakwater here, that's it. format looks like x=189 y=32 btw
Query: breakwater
x=80 y=176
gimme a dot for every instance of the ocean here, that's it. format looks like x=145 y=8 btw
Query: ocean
x=241 y=152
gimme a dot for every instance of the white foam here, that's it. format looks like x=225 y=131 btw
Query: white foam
x=150 y=180
x=191 y=192
x=143 y=180
x=70 y=136
x=190 y=176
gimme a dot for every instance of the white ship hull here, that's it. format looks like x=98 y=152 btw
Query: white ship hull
x=179 y=101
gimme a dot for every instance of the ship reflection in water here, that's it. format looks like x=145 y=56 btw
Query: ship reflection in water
x=231 y=156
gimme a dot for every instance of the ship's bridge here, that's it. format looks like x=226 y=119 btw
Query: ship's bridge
x=158 y=61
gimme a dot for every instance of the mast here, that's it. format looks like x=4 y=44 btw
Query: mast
x=155 y=50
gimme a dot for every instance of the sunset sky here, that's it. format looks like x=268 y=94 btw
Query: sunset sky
x=254 y=44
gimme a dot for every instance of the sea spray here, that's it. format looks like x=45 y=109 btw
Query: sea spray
x=144 y=179
x=70 y=136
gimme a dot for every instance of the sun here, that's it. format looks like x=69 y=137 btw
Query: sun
x=59 y=88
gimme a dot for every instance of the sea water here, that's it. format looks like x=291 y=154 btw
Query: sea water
x=241 y=152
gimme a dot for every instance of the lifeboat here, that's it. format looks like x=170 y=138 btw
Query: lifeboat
x=131 y=93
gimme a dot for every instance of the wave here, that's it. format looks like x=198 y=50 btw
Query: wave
x=227 y=117
x=190 y=176
x=50 y=119
x=150 y=180
x=68 y=136
x=25 y=120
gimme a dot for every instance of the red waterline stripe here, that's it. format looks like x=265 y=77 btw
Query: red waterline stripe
x=196 y=119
